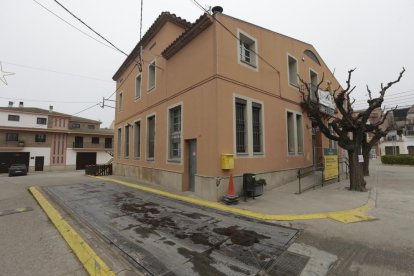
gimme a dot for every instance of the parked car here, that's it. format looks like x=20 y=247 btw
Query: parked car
x=18 y=169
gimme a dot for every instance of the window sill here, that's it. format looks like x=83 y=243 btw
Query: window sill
x=258 y=153
x=137 y=158
x=150 y=159
x=242 y=154
x=296 y=86
x=137 y=98
x=150 y=89
x=248 y=63
x=126 y=157
x=174 y=161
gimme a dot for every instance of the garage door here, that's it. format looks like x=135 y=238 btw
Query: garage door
x=8 y=158
x=85 y=158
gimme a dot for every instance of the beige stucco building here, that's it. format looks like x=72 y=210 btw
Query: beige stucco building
x=218 y=86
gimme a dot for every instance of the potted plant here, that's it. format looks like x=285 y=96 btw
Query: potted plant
x=21 y=143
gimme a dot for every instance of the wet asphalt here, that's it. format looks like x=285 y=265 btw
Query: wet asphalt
x=164 y=236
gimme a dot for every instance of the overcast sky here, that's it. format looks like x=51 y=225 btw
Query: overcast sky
x=55 y=64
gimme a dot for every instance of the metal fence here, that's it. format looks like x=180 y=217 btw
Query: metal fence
x=105 y=169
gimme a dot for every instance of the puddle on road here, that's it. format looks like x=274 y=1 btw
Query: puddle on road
x=140 y=208
x=200 y=238
x=240 y=236
x=202 y=262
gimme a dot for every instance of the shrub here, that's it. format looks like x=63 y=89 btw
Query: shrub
x=402 y=159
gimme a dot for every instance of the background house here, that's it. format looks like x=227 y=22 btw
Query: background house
x=49 y=140
x=400 y=140
x=205 y=90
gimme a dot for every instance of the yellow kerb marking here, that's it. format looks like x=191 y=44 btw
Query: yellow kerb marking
x=345 y=216
x=90 y=261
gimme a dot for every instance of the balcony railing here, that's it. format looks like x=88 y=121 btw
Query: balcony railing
x=409 y=133
x=83 y=145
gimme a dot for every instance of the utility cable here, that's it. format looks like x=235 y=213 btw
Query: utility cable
x=140 y=23
x=44 y=101
x=53 y=71
x=90 y=28
x=73 y=26
x=85 y=109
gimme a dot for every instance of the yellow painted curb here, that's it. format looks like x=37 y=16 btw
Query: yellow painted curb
x=345 y=216
x=90 y=261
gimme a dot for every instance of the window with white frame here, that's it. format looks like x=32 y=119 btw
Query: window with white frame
x=294 y=127
x=241 y=126
x=151 y=75
x=247 y=49
x=118 y=145
x=151 y=137
x=257 y=127
x=313 y=84
x=293 y=71
x=126 y=142
x=137 y=140
x=120 y=99
x=138 y=87
x=41 y=121
x=174 y=133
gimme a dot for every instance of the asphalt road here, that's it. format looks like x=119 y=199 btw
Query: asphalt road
x=169 y=237
x=29 y=243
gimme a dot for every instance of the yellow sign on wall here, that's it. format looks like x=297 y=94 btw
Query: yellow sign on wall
x=331 y=164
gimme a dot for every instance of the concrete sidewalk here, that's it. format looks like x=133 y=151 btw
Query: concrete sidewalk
x=332 y=201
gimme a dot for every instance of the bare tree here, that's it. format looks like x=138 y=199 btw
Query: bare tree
x=349 y=129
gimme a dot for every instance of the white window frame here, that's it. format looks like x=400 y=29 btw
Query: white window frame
x=296 y=151
x=168 y=158
x=249 y=128
x=137 y=97
x=152 y=88
x=252 y=65
x=120 y=101
x=147 y=136
x=296 y=86
x=310 y=78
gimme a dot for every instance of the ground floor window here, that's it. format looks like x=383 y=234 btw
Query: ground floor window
x=174 y=133
x=392 y=150
x=294 y=127
x=151 y=137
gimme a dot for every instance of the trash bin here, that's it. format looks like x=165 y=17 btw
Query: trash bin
x=249 y=181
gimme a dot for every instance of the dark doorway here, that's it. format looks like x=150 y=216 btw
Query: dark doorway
x=8 y=158
x=39 y=163
x=85 y=158
x=192 y=163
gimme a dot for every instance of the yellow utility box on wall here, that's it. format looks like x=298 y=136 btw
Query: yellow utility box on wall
x=227 y=161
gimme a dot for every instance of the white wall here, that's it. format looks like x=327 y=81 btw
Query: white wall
x=26 y=120
x=101 y=157
x=36 y=151
x=70 y=157
x=406 y=141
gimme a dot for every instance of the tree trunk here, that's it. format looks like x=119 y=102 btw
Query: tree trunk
x=365 y=153
x=356 y=174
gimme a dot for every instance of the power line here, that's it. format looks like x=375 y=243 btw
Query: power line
x=90 y=28
x=86 y=109
x=73 y=25
x=45 y=101
x=53 y=71
x=140 y=23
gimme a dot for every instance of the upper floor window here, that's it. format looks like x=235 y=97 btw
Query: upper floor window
x=95 y=140
x=41 y=121
x=293 y=71
x=138 y=87
x=151 y=75
x=174 y=133
x=15 y=118
x=75 y=125
x=40 y=137
x=313 y=84
x=91 y=126
x=120 y=102
x=12 y=137
x=247 y=50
